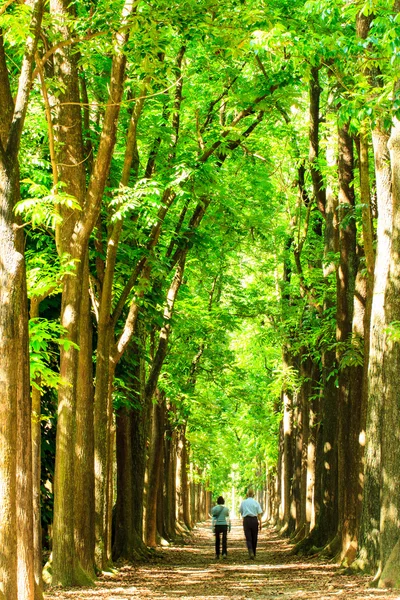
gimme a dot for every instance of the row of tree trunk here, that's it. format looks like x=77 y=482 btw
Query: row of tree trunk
x=334 y=488
x=84 y=540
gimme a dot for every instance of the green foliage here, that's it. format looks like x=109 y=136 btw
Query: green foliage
x=43 y=337
x=351 y=352
x=244 y=298
x=393 y=331
x=41 y=207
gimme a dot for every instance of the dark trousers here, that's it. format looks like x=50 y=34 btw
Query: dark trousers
x=221 y=529
x=250 y=527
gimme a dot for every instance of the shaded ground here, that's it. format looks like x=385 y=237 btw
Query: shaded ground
x=191 y=572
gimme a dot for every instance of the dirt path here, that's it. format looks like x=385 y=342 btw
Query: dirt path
x=191 y=572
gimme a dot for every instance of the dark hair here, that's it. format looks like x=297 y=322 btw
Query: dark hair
x=220 y=500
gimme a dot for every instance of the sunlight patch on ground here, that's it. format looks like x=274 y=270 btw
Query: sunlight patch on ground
x=190 y=572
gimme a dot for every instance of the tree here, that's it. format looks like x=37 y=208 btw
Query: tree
x=16 y=529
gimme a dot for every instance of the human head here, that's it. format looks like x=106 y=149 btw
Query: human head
x=220 y=500
x=250 y=493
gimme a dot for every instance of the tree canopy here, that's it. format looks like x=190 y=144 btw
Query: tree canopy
x=199 y=262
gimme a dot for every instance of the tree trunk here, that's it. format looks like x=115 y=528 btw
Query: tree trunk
x=298 y=444
x=26 y=580
x=36 y=396
x=192 y=494
x=16 y=499
x=179 y=469
x=280 y=477
x=312 y=450
x=288 y=458
x=162 y=499
x=390 y=491
x=325 y=491
x=170 y=480
x=12 y=303
x=390 y=577
x=185 y=481
x=37 y=525
x=369 y=554
x=132 y=424
x=350 y=377
x=65 y=570
x=68 y=135
x=72 y=237
x=154 y=469
x=84 y=472
x=305 y=461
x=124 y=544
x=141 y=416
x=111 y=461
x=101 y=434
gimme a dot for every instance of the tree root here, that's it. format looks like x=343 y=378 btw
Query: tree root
x=390 y=576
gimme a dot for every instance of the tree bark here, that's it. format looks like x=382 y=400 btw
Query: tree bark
x=36 y=469
x=68 y=135
x=141 y=416
x=132 y=424
x=25 y=534
x=288 y=458
x=16 y=498
x=369 y=553
x=305 y=449
x=124 y=544
x=185 y=481
x=325 y=491
x=390 y=492
x=170 y=478
x=350 y=377
x=154 y=469
x=104 y=367
x=84 y=471
x=72 y=237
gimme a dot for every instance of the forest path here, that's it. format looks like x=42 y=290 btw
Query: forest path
x=190 y=572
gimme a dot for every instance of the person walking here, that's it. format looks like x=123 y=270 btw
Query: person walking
x=251 y=512
x=221 y=521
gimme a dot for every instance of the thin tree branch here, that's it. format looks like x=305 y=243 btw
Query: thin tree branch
x=40 y=62
x=175 y=235
x=166 y=328
x=5 y=6
x=102 y=161
x=50 y=131
x=244 y=113
x=209 y=115
x=25 y=81
x=127 y=289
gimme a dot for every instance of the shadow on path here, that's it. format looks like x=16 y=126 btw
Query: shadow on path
x=190 y=572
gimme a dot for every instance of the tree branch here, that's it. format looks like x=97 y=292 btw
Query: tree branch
x=209 y=115
x=244 y=113
x=6 y=99
x=25 y=81
x=166 y=329
x=102 y=161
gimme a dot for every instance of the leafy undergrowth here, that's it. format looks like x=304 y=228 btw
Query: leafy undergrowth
x=190 y=572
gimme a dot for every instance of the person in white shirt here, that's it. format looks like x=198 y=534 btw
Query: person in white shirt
x=251 y=512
